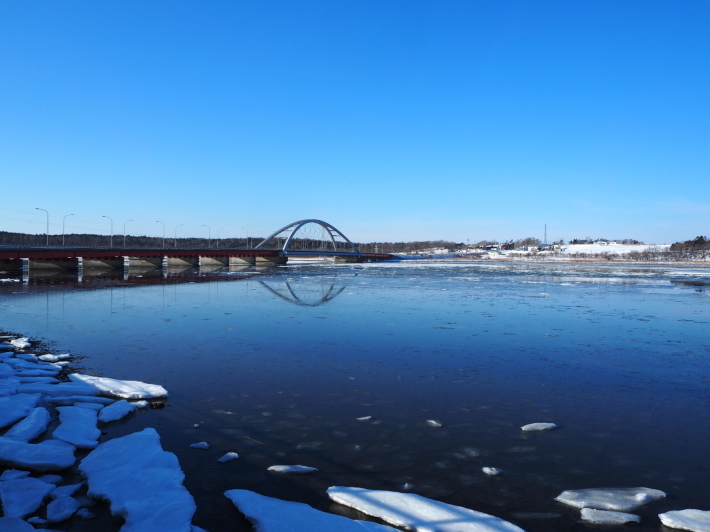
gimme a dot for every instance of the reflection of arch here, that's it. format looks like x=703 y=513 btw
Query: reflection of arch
x=330 y=240
x=331 y=293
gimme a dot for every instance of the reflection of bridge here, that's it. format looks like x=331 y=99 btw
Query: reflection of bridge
x=309 y=238
x=305 y=295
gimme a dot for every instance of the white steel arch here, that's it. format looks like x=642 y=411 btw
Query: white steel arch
x=294 y=227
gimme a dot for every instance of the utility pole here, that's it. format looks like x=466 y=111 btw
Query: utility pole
x=45 y=210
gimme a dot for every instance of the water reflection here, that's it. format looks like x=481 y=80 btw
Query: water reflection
x=305 y=292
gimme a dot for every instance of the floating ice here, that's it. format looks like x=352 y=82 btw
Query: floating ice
x=61 y=509
x=6 y=371
x=364 y=418
x=31 y=357
x=200 y=445
x=116 y=411
x=619 y=499
x=296 y=469
x=606 y=517
x=228 y=457
x=53 y=358
x=32 y=380
x=15 y=524
x=693 y=520
x=418 y=513
x=196 y=426
x=142 y=481
x=533 y=427
x=78 y=427
x=492 y=471
x=23 y=496
x=141 y=404
x=65 y=491
x=8 y=387
x=92 y=406
x=10 y=474
x=274 y=515
x=73 y=399
x=85 y=513
x=50 y=455
x=123 y=389
x=434 y=423
x=20 y=343
x=63 y=389
x=33 y=425
x=51 y=479
x=14 y=407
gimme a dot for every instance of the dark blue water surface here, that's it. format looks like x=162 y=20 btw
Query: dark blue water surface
x=277 y=364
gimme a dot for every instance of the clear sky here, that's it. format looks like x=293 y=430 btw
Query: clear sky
x=392 y=120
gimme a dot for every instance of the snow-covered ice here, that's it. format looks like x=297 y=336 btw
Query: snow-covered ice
x=10 y=474
x=228 y=457
x=33 y=425
x=607 y=517
x=52 y=479
x=78 y=427
x=61 y=509
x=296 y=469
x=6 y=371
x=693 y=520
x=492 y=471
x=414 y=512
x=142 y=481
x=23 y=496
x=92 y=406
x=534 y=427
x=65 y=491
x=73 y=399
x=619 y=499
x=116 y=411
x=15 y=524
x=20 y=343
x=50 y=455
x=63 y=389
x=15 y=407
x=274 y=515
x=122 y=389
x=364 y=418
x=200 y=445
x=434 y=423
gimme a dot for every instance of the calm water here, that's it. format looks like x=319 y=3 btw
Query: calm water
x=278 y=365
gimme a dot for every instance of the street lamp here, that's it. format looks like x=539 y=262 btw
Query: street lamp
x=209 y=237
x=102 y=216
x=63 y=220
x=218 y=230
x=159 y=222
x=175 y=243
x=247 y=230
x=45 y=210
x=124 y=232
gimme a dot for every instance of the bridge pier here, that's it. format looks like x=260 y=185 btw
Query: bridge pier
x=63 y=263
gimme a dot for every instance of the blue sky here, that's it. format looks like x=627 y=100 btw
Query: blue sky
x=391 y=120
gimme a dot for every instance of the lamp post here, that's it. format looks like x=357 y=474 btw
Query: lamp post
x=247 y=230
x=218 y=230
x=175 y=243
x=102 y=216
x=159 y=222
x=63 y=221
x=45 y=210
x=124 y=232
x=209 y=235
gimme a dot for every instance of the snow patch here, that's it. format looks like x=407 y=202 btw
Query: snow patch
x=122 y=389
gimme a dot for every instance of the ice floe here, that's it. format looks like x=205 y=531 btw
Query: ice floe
x=119 y=388
x=63 y=389
x=414 y=512
x=274 y=515
x=20 y=343
x=33 y=425
x=61 y=509
x=65 y=491
x=10 y=474
x=15 y=524
x=228 y=457
x=693 y=520
x=15 y=407
x=116 y=411
x=492 y=471
x=200 y=445
x=607 y=517
x=50 y=455
x=142 y=481
x=23 y=496
x=74 y=399
x=294 y=469
x=619 y=499
x=434 y=423
x=535 y=427
x=364 y=418
x=78 y=427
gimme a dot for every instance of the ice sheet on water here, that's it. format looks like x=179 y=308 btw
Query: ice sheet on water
x=619 y=499
x=15 y=524
x=293 y=469
x=33 y=425
x=536 y=427
x=434 y=423
x=6 y=371
x=607 y=517
x=63 y=389
x=78 y=427
x=15 y=407
x=492 y=471
x=92 y=406
x=73 y=399
x=9 y=386
x=274 y=515
x=65 y=491
x=61 y=509
x=414 y=512
x=693 y=520
x=53 y=358
x=52 y=479
x=228 y=457
x=158 y=502
x=122 y=389
x=23 y=496
x=50 y=455
x=10 y=474
x=20 y=343
x=116 y=411
x=32 y=380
